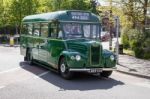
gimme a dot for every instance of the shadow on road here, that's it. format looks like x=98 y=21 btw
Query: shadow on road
x=79 y=82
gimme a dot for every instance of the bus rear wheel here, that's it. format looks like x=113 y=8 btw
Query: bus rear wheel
x=63 y=69
x=29 y=57
x=106 y=73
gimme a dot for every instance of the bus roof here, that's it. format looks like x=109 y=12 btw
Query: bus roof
x=67 y=15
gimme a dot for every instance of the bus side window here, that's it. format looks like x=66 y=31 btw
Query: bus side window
x=30 y=29
x=44 y=29
x=24 y=29
x=53 y=30
x=36 y=30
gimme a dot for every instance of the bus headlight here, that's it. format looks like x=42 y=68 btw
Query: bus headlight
x=112 y=58
x=72 y=57
x=78 y=57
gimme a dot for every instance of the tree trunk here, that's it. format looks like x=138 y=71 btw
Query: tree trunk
x=144 y=14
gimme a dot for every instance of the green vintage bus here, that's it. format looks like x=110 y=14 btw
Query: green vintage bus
x=66 y=41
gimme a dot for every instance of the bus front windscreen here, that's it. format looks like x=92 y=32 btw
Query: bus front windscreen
x=76 y=30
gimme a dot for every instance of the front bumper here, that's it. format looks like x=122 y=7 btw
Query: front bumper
x=92 y=70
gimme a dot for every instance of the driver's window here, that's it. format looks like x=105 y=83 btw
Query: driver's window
x=94 y=31
x=86 y=29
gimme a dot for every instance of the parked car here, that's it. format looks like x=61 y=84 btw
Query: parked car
x=105 y=36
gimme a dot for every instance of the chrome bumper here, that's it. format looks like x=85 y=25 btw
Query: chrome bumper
x=92 y=69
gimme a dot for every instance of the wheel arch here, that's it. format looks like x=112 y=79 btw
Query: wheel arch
x=61 y=56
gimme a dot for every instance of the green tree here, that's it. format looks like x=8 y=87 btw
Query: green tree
x=44 y=6
x=55 y=4
x=94 y=7
x=144 y=4
x=136 y=11
x=69 y=4
x=80 y=4
x=1 y=10
x=4 y=9
x=21 y=8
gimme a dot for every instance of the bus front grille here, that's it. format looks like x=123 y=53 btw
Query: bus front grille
x=95 y=55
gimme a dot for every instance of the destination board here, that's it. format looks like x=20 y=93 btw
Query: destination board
x=80 y=15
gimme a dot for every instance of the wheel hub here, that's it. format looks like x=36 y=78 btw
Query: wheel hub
x=63 y=68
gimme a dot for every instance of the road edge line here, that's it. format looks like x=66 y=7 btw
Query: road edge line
x=134 y=74
x=11 y=70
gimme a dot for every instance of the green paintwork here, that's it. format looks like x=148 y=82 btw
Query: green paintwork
x=58 y=15
x=49 y=51
x=106 y=57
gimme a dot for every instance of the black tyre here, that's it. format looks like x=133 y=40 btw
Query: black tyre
x=63 y=69
x=29 y=57
x=106 y=74
x=25 y=58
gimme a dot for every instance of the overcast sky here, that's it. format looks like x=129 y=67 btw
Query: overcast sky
x=103 y=2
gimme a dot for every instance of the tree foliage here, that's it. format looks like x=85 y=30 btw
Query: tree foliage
x=136 y=11
x=21 y=8
x=69 y=4
x=4 y=9
x=12 y=11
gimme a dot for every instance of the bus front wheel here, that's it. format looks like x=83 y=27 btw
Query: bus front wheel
x=106 y=73
x=63 y=69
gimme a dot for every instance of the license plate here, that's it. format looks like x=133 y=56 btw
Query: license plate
x=95 y=70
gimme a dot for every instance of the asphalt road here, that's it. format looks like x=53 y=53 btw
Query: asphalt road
x=19 y=80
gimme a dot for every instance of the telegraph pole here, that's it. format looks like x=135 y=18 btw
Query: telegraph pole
x=110 y=25
x=117 y=35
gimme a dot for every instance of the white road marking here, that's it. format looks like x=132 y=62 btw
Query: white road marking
x=10 y=70
x=42 y=74
x=2 y=87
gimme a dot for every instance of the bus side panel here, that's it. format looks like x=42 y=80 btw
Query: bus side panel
x=35 y=48
x=55 y=47
x=25 y=42
x=30 y=42
x=43 y=53
x=23 y=45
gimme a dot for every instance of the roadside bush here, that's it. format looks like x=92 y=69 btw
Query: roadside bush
x=147 y=49
x=125 y=38
x=136 y=38
x=146 y=45
x=147 y=33
x=137 y=41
